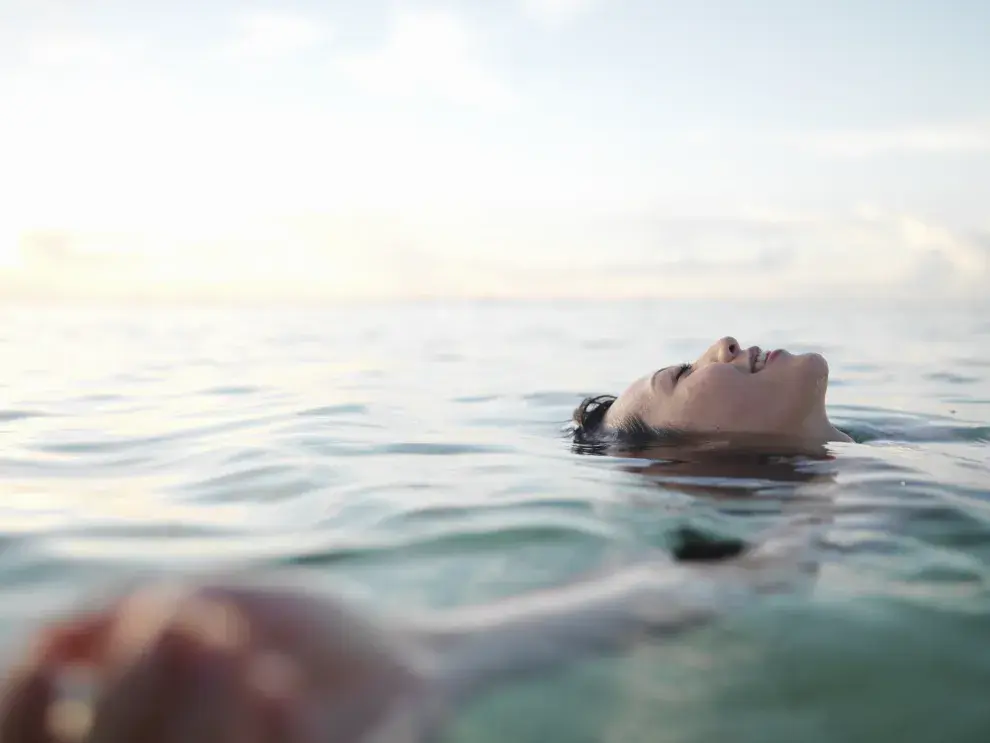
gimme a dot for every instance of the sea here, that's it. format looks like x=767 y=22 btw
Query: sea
x=415 y=456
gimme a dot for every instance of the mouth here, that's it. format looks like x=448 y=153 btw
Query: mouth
x=758 y=359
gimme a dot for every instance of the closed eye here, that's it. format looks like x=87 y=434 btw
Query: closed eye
x=679 y=371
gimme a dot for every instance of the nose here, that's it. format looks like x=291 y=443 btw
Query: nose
x=726 y=349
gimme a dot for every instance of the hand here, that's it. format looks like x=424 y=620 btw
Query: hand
x=218 y=664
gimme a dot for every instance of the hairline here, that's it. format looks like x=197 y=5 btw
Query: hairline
x=631 y=429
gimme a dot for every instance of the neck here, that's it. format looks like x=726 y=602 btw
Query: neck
x=837 y=435
x=818 y=427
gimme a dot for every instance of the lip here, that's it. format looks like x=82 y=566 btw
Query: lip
x=772 y=355
x=754 y=353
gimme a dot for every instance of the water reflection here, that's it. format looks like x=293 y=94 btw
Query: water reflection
x=725 y=469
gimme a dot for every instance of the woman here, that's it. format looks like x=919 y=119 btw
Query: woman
x=729 y=390
x=233 y=663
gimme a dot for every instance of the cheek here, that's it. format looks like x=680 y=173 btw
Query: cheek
x=721 y=399
x=726 y=400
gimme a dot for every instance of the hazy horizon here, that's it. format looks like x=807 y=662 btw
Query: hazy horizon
x=532 y=149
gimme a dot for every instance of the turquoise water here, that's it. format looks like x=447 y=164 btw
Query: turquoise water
x=413 y=455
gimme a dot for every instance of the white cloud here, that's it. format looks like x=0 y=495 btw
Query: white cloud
x=556 y=12
x=742 y=255
x=511 y=254
x=68 y=49
x=431 y=54
x=940 y=140
x=268 y=35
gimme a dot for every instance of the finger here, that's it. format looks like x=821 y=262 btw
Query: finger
x=136 y=701
x=275 y=693
x=30 y=710
x=178 y=650
x=80 y=640
x=336 y=646
x=24 y=702
x=214 y=699
x=212 y=702
x=276 y=721
x=28 y=706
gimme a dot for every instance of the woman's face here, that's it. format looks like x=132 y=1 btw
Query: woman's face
x=730 y=389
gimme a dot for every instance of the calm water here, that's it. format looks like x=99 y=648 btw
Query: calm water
x=413 y=455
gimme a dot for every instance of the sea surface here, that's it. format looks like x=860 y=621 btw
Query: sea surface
x=415 y=455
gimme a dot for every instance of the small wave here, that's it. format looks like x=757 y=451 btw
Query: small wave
x=471 y=399
x=951 y=378
x=232 y=390
x=437 y=449
x=43 y=467
x=269 y=482
x=329 y=411
x=106 y=446
x=514 y=506
x=101 y=397
x=9 y=416
x=973 y=363
x=102 y=444
x=603 y=344
x=460 y=540
x=552 y=398
x=931 y=433
x=144 y=530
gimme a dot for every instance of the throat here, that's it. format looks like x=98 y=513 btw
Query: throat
x=819 y=428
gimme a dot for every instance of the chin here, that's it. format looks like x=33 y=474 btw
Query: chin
x=809 y=366
x=814 y=376
x=815 y=364
x=806 y=375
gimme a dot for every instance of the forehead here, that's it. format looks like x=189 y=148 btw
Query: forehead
x=639 y=396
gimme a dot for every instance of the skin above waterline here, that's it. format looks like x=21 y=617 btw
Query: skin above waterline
x=730 y=390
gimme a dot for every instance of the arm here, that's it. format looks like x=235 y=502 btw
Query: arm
x=544 y=631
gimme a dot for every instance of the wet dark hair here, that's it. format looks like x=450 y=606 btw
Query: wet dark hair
x=590 y=428
x=589 y=416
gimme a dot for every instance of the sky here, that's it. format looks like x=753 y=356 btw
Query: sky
x=497 y=148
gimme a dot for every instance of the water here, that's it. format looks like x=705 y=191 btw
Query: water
x=413 y=456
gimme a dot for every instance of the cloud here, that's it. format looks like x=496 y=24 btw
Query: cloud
x=572 y=254
x=67 y=251
x=870 y=252
x=764 y=262
x=948 y=139
x=982 y=241
x=556 y=12
x=429 y=54
x=71 y=49
x=270 y=35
